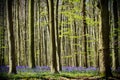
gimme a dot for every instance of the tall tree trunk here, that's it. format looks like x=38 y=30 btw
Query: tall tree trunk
x=26 y=50
x=115 y=14
x=76 y=48
x=12 y=54
x=118 y=6
x=58 y=38
x=31 y=34
x=18 y=34
x=47 y=2
x=45 y=43
x=52 y=35
x=39 y=36
x=105 y=68
x=84 y=32
x=2 y=32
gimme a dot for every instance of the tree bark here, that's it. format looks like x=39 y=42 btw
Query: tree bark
x=58 y=38
x=12 y=54
x=52 y=35
x=105 y=68
x=31 y=34
x=2 y=32
x=115 y=15
x=84 y=32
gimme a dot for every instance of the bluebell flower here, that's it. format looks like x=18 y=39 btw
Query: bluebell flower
x=4 y=69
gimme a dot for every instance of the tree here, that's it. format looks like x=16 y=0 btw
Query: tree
x=115 y=14
x=52 y=36
x=12 y=54
x=31 y=34
x=58 y=38
x=18 y=34
x=75 y=41
x=2 y=32
x=105 y=32
x=84 y=32
x=118 y=6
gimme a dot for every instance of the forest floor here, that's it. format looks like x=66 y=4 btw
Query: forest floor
x=64 y=78
x=44 y=73
x=85 y=78
x=89 y=78
x=46 y=76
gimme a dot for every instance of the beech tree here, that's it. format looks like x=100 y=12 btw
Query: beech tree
x=31 y=34
x=52 y=36
x=115 y=14
x=2 y=32
x=105 y=68
x=12 y=53
x=84 y=33
x=57 y=34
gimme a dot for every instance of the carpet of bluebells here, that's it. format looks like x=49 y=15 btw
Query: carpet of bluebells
x=46 y=68
x=5 y=69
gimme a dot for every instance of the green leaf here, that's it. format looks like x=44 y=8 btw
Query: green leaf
x=4 y=47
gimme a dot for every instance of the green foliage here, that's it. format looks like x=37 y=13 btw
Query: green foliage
x=73 y=37
x=46 y=75
x=91 y=22
x=43 y=23
x=72 y=15
x=65 y=31
x=75 y=74
x=74 y=0
x=4 y=47
x=24 y=75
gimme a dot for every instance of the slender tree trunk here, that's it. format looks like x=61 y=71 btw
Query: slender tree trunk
x=31 y=34
x=47 y=2
x=58 y=38
x=105 y=68
x=12 y=54
x=75 y=40
x=18 y=35
x=115 y=14
x=26 y=50
x=118 y=6
x=45 y=43
x=52 y=35
x=84 y=32
x=39 y=37
x=2 y=32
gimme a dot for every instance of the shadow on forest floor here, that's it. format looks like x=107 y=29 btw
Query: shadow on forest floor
x=63 y=78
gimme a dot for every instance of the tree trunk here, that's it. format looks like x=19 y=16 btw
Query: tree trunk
x=52 y=36
x=2 y=32
x=26 y=50
x=115 y=14
x=58 y=38
x=45 y=43
x=18 y=35
x=31 y=34
x=76 y=48
x=84 y=32
x=105 y=32
x=12 y=54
